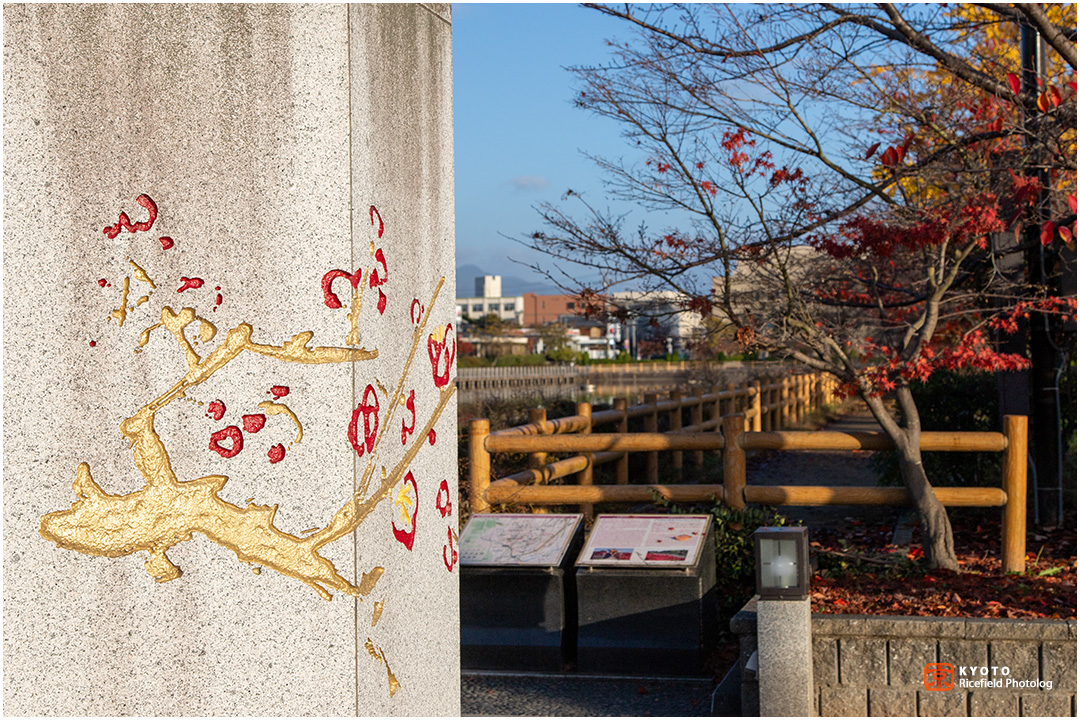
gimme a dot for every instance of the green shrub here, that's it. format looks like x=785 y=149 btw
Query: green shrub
x=520 y=360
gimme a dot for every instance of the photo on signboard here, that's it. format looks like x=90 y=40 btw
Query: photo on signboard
x=612 y=554
x=666 y=555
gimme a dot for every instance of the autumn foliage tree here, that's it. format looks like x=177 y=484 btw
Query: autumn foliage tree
x=833 y=178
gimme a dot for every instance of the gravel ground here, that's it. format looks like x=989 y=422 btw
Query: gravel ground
x=571 y=696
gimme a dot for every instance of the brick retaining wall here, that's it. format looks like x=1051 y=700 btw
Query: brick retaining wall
x=873 y=665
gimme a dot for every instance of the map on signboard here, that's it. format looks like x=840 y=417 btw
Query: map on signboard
x=652 y=540
x=517 y=539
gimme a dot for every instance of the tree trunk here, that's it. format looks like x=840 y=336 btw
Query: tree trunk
x=937 y=530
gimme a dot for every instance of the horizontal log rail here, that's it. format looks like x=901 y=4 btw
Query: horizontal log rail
x=511 y=490
x=812 y=495
x=693 y=438
x=507 y=491
x=739 y=419
x=596 y=442
x=928 y=442
x=562 y=468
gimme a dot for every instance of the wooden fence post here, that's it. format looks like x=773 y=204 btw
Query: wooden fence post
x=652 y=459
x=771 y=409
x=538 y=416
x=675 y=425
x=538 y=460
x=755 y=407
x=715 y=413
x=479 y=466
x=803 y=397
x=785 y=402
x=698 y=456
x=731 y=409
x=1014 y=482
x=585 y=477
x=734 y=461
x=622 y=465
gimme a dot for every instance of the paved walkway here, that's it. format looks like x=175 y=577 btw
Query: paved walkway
x=824 y=467
x=572 y=696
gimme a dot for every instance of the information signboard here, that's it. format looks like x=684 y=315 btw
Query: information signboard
x=645 y=540
x=532 y=540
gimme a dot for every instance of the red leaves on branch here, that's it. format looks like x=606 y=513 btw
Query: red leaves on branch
x=701 y=305
x=708 y=187
x=1009 y=322
x=1025 y=189
x=879 y=238
x=785 y=175
x=1046 y=232
x=1055 y=96
x=971 y=353
x=1043 y=102
x=1014 y=83
x=733 y=140
x=871 y=150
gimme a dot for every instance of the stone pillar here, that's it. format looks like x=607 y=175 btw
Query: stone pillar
x=229 y=304
x=785 y=668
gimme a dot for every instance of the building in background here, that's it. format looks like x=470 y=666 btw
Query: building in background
x=490 y=300
x=663 y=326
x=544 y=309
x=489 y=286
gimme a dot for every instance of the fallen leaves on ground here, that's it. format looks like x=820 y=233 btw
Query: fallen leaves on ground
x=861 y=573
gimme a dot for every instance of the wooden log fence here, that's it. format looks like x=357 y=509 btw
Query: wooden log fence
x=734 y=425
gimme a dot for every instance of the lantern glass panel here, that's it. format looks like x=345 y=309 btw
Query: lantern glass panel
x=779 y=563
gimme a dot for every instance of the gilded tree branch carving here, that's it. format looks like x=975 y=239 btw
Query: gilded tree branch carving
x=168 y=510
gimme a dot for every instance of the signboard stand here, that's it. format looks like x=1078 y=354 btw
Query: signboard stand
x=518 y=596
x=646 y=595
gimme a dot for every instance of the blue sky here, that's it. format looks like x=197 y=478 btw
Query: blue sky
x=516 y=134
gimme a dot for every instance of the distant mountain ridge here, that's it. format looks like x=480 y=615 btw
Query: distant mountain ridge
x=511 y=284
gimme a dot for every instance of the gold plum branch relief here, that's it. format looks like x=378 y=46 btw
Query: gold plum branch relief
x=168 y=510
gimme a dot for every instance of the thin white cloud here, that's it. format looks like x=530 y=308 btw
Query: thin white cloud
x=529 y=183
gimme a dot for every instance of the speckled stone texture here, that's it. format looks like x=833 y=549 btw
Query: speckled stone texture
x=264 y=135
x=785 y=665
x=875 y=665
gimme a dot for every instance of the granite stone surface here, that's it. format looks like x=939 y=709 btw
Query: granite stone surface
x=826 y=671
x=228 y=159
x=854 y=655
x=942 y=704
x=1059 y=665
x=993 y=703
x=908 y=658
x=1041 y=704
x=963 y=652
x=862 y=661
x=843 y=702
x=892 y=702
x=785 y=660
